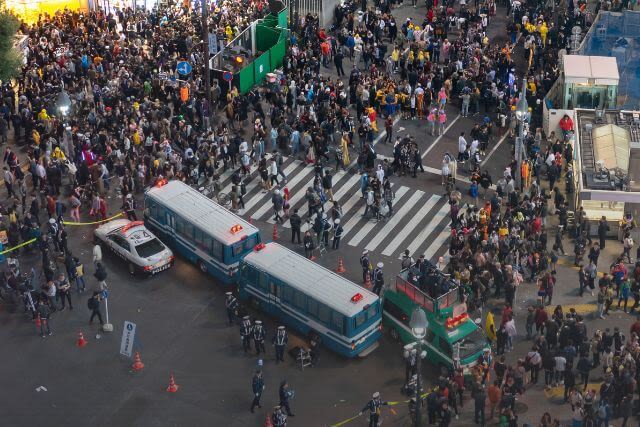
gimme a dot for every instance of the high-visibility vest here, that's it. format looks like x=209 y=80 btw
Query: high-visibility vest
x=184 y=93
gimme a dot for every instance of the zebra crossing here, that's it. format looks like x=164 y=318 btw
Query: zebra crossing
x=420 y=221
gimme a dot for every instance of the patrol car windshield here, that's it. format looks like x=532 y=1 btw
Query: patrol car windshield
x=471 y=344
x=149 y=248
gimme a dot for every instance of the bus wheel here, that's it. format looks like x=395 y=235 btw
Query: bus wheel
x=394 y=334
x=202 y=266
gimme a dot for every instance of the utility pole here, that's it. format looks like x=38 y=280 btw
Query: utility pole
x=205 y=44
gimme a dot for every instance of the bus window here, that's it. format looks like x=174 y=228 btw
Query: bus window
x=300 y=300
x=274 y=289
x=249 y=243
x=203 y=240
x=216 y=250
x=360 y=319
x=430 y=335
x=445 y=346
x=312 y=307
x=236 y=249
x=249 y=274
x=337 y=322
x=262 y=282
x=324 y=315
x=372 y=311
x=153 y=210
x=287 y=295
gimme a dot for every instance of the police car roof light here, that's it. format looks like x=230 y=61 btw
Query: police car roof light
x=131 y=225
x=259 y=247
x=356 y=298
x=236 y=228
x=161 y=183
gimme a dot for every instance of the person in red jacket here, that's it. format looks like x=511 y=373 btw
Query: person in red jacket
x=566 y=124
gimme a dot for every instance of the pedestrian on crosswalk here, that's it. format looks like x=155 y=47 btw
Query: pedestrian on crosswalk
x=364 y=184
x=326 y=227
x=327 y=184
x=296 y=223
x=273 y=172
x=388 y=196
x=337 y=234
x=278 y=203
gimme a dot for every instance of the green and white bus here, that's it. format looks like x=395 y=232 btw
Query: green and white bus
x=453 y=339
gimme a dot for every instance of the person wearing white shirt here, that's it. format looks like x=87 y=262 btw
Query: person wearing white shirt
x=273 y=171
x=380 y=173
x=462 y=147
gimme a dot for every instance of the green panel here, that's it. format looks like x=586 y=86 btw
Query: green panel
x=283 y=18
x=266 y=37
x=262 y=66
x=277 y=53
x=246 y=79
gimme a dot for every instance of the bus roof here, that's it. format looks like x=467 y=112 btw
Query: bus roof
x=201 y=211
x=321 y=284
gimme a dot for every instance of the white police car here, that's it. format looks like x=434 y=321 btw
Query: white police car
x=131 y=241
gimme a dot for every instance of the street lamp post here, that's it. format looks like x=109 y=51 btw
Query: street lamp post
x=418 y=326
x=522 y=110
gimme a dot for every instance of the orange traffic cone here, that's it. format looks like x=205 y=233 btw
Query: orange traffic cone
x=275 y=232
x=37 y=321
x=267 y=421
x=340 y=268
x=81 y=341
x=137 y=363
x=173 y=387
x=367 y=281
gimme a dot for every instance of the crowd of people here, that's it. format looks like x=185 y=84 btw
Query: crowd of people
x=129 y=124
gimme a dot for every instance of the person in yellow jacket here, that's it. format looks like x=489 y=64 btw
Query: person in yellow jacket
x=543 y=33
x=42 y=115
x=490 y=327
x=58 y=154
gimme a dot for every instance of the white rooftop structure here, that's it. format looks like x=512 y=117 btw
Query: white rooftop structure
x=611 y=145
x=592 y=70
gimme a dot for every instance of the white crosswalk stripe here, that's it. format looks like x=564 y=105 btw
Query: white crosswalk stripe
x=260 y=195
x=291 y=184
x=412 y=224
x=299 y=193
x=426 y=231
x=413 y=213
x=366 y=228
x=394 y=221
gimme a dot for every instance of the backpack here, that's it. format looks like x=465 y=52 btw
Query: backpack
x=90 y=303
x=243 y=189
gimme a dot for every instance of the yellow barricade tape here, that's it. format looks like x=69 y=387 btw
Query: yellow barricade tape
x=17 y=246
x=94 y=222
x=348 y=420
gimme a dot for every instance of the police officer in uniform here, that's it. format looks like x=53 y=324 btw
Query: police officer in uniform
x=296 y=224
x=231 y=304
x=278 y=417
x=280 y=341
x=337 y=233
x=259 y=335
x=257 y=385
x=285 y=394
x=364 y=262
x=245 y=333
x=374 y=407
x=130 y=208
x=378 y=279
x=325 y=230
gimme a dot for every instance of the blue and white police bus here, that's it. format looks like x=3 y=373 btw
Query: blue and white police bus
x=311 y=299
x=202 y=231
